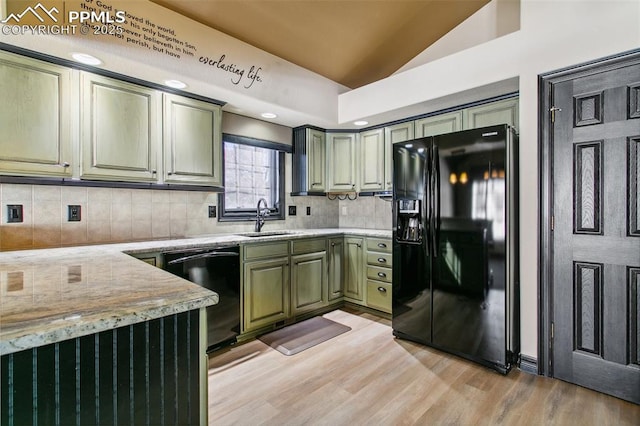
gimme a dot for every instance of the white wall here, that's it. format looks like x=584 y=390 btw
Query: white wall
x=553 y=35
x=239 y=125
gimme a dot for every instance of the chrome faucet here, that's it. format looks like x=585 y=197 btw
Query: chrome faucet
x=261 y=214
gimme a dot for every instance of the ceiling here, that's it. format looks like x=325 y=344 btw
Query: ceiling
x=351 y=42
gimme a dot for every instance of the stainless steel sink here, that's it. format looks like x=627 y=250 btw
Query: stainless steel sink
x=265 y=234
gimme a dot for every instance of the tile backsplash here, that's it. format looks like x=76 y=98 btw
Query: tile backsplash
x=110 y=215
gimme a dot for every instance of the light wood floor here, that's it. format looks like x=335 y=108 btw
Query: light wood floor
x=367 y=377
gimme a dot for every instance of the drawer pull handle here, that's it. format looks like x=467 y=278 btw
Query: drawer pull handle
x=382 y=289
x=382 y=245
x=382 y=260
x=382 y=275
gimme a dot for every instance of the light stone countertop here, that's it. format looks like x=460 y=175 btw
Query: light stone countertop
x=51 y=295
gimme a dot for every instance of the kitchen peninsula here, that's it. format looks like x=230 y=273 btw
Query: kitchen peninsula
x=91 y=335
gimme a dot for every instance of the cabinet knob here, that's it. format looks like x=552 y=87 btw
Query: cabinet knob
x=153 y=172
x=65 y=164
x=382 y=245
x=169 y=173
x=382 y=260
x=382 y=275
x=382 y=289
x=358 y=245
x=333 y=244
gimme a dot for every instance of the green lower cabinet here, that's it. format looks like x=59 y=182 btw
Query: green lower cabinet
x=354 y=270
x=309 y=279
x=379 y=295
x=266 y=292
x=336 y=268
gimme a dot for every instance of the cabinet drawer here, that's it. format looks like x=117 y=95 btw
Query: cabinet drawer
x=308 y=246
x=378 y=273
x=379 y=295
x=380 y=259
x=379 y=244
x=259 y=251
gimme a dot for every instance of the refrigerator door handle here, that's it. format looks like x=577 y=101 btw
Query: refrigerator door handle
x=436 y=198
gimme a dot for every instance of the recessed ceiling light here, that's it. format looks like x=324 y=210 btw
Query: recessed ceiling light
x=268 y=115
x=361 y=123
x=86 y=59
x=176 y=84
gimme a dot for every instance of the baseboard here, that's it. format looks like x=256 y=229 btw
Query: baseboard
x=529 y=364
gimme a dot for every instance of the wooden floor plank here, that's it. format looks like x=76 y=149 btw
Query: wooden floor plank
x=366 y=376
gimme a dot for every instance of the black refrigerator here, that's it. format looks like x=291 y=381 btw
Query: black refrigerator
x=455 y=244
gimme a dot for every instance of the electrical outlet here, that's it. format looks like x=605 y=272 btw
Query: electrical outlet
x=308 y=211
x=292 y=210
x=14 y=213
x=74 y=213
x=212 y=211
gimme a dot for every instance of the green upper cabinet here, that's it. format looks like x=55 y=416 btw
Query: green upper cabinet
x=500 y=112
x=394 y=134
x=192 y=141
x=439 y=124
x=120 y=130
x=316 y=161
x=35 y=117
x=372 y=160
x=399 y=132
x=342 y=161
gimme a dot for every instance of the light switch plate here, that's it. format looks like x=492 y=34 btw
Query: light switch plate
x=292 y=210
x=212 y=211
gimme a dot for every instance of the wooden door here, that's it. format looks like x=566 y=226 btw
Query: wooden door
x=596 y=230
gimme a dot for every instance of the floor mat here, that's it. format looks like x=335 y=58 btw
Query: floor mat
x=303 y=335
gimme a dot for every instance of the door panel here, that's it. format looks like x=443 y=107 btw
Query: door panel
x=596 y=249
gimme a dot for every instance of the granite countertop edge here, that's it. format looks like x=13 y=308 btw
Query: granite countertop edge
x=65 y=325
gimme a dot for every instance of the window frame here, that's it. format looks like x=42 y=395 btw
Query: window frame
x=275 y=212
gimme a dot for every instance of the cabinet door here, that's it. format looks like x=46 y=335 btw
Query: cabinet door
x=336 y=268
x=308 y=281
x=266 y=292
x=394 y=134
x=341 y=148
x=439 y=124
x=372 y=160
x=354 y=269
x=120 y=130
x=316 y=161
x=34 y=117
x=399 y=132
x=192 y=141
x=501 y=112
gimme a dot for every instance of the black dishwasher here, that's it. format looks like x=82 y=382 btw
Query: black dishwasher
x=217 y=269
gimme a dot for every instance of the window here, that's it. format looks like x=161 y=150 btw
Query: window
x=253 y=169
